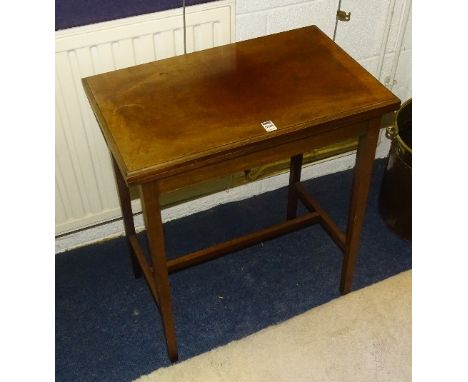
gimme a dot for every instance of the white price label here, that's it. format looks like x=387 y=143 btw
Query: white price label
x=269 y=126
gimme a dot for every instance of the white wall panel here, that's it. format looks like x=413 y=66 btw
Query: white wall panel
x=362 y=36
x=320 y=12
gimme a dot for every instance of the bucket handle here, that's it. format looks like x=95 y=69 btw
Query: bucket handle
x=391 y=132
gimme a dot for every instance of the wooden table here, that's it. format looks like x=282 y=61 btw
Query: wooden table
x=186 y=119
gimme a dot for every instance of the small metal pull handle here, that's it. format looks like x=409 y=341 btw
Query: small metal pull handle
x=343 y=16
x=391 y=132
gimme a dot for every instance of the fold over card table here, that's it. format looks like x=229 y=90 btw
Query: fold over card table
x=182 y=120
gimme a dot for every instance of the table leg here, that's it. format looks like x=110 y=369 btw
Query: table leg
x=149 y=195
x=294 y=177
x=361 y=181
x=126 y=208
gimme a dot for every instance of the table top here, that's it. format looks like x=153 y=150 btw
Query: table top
x=175 y=113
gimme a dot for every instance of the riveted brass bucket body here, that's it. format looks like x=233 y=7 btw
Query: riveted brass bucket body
x=395 y=193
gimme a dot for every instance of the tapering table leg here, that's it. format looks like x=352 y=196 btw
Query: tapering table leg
x=149 y=195
x=361 y=182
x=294 y=177
x=126 y=208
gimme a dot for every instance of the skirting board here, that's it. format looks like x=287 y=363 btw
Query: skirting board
x=115 y=228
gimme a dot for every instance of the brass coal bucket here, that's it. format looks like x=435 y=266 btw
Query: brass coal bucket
x=395 y=192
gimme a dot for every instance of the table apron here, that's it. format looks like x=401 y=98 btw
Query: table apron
x=260 y=157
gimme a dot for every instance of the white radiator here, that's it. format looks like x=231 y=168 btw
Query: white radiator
x=84 y=182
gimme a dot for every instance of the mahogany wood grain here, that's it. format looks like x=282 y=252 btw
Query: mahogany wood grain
x=126 y=208
x=179 y=112
x=242 y=161
x=327 y=222
x=147 y=270
x=361 y=181
x=182 y=120
x=294 y=177
x=149 y=195
x=242 y=242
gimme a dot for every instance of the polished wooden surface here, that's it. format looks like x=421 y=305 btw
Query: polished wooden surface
x=176 y=113
x=149 y=195
x=295 y=168
x=242 y=242
x=129 y=224
x=361 y=182
x=187 y=119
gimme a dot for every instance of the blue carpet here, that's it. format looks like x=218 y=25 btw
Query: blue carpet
x=108 y=328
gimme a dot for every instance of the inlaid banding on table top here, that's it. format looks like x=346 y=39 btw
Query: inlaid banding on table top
x=156 y=114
